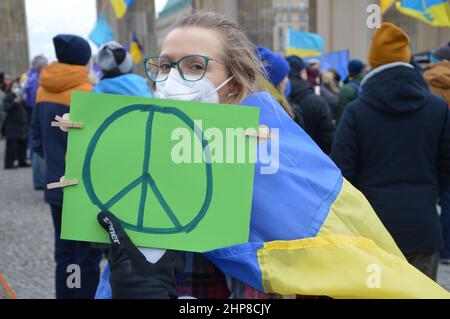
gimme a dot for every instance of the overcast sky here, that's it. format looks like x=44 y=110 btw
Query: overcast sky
x=47 y=18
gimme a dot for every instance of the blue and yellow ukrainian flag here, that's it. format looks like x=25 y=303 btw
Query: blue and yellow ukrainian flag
x=386 y=5
x=304 y=44
x=136 y=50
x=312 y=232
x=120 y=7
x=433 y=12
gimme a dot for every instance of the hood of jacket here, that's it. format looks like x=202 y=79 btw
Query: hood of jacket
x=58 y=80
x=395 y=88
x=126 y=84
x=300 y=88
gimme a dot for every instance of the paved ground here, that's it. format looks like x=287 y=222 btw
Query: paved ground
x=26 y=237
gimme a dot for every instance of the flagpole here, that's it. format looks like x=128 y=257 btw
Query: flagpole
x=287 y=41
x=104 y=6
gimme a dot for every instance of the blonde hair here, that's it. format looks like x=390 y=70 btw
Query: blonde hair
x=239 y=53
x=330 y=83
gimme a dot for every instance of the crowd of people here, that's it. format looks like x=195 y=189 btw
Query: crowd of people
x=386 y=126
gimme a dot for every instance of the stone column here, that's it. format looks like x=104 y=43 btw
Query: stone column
x=14 y=56
x=227 y=7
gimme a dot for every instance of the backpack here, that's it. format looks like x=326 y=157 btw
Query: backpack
x=356 y=87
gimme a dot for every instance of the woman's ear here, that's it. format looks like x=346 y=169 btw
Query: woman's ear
x=234 y=89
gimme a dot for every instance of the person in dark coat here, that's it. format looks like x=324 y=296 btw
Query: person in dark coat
x=30 y=90
x=393 y=144
x=16 y=127
x=438 y=78
x=2 y=96
x=312 y=112
x=57 y=81
x=357 y=70
x=329 y=90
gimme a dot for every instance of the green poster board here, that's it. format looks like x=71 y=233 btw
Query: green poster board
x=123 y=158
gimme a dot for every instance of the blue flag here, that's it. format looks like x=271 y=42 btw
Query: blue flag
x=337 y=60
x=102 y=32
x=304 y=44
x=432 y=12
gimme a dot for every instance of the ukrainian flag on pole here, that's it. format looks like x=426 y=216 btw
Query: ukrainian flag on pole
x=433 y=12
x=304 y=44
x=386 y=5
x=312 y=232
x=136 y=50
x=120 y=7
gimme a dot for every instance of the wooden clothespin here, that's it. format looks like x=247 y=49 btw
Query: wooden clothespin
x=64 y=123
x=263 y=133
x=62 y=183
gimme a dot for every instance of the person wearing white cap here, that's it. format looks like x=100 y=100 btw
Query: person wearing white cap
x=117 y=68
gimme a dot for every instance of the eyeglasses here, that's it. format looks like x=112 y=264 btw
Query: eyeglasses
x=191 y=67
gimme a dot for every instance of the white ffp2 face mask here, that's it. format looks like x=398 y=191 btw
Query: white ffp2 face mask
x=176 y=88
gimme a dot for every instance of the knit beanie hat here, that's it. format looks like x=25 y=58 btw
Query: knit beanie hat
x=442 y=53
x=296 y=63
x=389 y=44
x=114 y=59
x=275 y=65
x=72 y=49
x=355 y=67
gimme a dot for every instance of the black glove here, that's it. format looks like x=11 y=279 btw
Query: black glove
x=132 y=276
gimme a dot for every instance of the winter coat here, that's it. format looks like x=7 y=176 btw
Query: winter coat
x=393 y=144
x=57 y=82
x=312 y=113
x=16 y=122
x=31 y=87
x=348 y=93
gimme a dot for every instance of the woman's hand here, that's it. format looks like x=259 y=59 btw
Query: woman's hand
x=132 y=276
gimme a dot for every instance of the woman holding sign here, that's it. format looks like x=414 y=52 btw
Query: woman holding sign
x=305 y=216
x=217 y=78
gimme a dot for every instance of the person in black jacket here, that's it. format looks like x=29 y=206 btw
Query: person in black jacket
x=393 y=144
x=16 y=127
x=312 y=112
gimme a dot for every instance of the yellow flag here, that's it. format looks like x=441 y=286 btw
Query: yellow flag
x=136 y=50
x=120 y=8
x=385 y=5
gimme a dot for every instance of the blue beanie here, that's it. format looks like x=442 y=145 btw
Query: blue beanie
x=72 y=49
x=355 y=67
x=276 y=66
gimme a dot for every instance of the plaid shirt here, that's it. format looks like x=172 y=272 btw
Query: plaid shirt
x=203 y=280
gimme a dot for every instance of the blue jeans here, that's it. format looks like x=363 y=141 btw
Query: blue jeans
x=38 y=170
x=69 y=252
x=445 y=222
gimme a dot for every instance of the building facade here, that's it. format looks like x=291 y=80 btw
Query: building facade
x=265 y=21
x=256 y=18
x=172 y=11
x=289 y=14
x=343 y=25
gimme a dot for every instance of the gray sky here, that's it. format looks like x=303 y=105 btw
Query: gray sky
x=47 y=18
